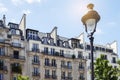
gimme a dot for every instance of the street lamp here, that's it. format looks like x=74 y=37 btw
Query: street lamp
x=90 y=21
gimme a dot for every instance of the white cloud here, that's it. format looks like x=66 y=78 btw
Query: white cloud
x=3 y=8
x=32 y=1
x=26 y=11
x=18 y=2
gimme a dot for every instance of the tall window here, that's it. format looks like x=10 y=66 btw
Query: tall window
x=81 y=66
x=46 y=50
x=53 y=62
x=35 y=47
x=36 y=58
x=62 y=63
x=80 y=54
x=14 y=78
x=16 y=54
x=61 y=53
x=46 y=61
x=52 y=51
x=69 y=64
x=113 y=60
x=36 y=70
x=2 y=51
x=1 y=76
x=69 y=74
x=53 y=72
x=1 y=64
x=51 y=41
x=47 y=72
x=63 y=75
x=81 y=76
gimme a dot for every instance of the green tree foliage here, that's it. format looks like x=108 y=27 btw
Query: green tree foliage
x=104 y=71
x=119 y=67
x=20 y=77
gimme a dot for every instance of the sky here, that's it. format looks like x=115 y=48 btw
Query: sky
x=44 y=15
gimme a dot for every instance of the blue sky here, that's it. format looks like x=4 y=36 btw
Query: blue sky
x=43 y=15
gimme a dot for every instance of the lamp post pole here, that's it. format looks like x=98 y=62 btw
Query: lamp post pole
x=90 y=21
x=91 y=38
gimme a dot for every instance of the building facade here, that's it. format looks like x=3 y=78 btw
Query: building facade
x=47 y=56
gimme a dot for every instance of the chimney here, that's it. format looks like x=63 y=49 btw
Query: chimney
x=4 y=20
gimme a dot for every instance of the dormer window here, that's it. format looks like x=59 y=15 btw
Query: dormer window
x=45 y=41
x=32 y=35
x=60 y=43
x=15 y=32
x=66 y=44
x=51 y=41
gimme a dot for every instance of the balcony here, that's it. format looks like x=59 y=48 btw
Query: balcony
x=3 y=69
x=50 y=65
x=81 y=78
x=66 y=66
x=50 y=76
x=66 y=78
x=2 y=40
x=35 y=74
x=35 y=50
x=113 y=61
x=17 y=45
x=16 y=69
x=20 y=58
x=81 y=68
x=35 y=62
x=3 y=55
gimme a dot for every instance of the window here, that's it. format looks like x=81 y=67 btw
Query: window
x=89 y=56
x=81 y=66
x=46 y=50
x=113 y=60
x=52 y=51
x=36 y=58
x=45 y=40
x=88 y=47
x=35 y=47
x=61 y=53
x=2 y=51
x=69 y=64
x=69 y=74
x=53 y=62
x=13 y=31
x=66 y=44
x=36 y=70
x=46 y=61
x=1 y=64
x=63 y=75
x=80 y=54
x=105 y=57
x=47 y=72
x=14 y=78
x=53 y=73
x=16 y=54
x=51 y=41
x=81 y=76
x=1 y=76
x=62 y=63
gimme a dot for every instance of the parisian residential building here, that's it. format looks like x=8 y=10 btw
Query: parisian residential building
x=47 y=56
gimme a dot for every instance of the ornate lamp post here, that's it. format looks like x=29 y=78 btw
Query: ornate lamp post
x=90 y=21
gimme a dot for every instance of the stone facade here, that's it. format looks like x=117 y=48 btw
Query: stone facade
x=46 y=56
